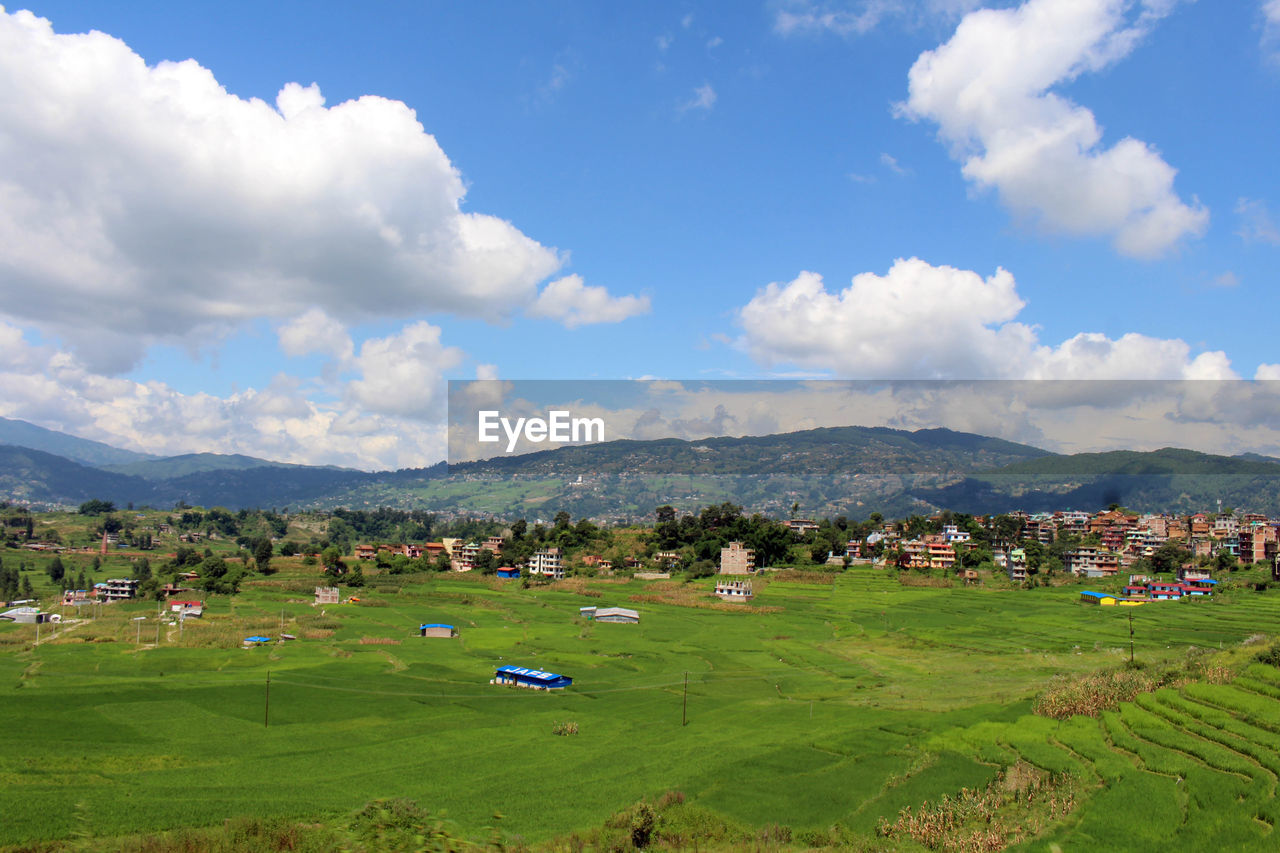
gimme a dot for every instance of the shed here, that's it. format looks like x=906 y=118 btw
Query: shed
x=437 y=629
x=508 y=572
x=617 y=614
x=537 y=679
x=1091 y=597
x=587 y=612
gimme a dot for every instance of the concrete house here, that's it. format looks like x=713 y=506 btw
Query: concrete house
x=737 y=559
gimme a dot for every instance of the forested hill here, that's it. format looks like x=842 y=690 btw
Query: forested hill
x=850 y=471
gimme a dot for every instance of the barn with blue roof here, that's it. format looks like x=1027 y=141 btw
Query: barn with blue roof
x=437 y=629
x=520 y=676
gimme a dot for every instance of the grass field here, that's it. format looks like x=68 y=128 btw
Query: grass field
x=838 y=703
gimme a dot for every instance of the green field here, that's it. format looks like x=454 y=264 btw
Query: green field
x=826 y=704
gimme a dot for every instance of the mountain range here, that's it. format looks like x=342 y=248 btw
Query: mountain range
x=850 y=471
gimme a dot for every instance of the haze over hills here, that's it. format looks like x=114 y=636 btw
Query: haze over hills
x=850 y=471
x=82 y=450
x=170 y=467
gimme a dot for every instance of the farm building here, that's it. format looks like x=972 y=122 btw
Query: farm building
x=326 y=595
x=734 y=590
x=519 y=676
x=437 y=629
x=194 y=609
x=28 y=616
x=1103 y=598
x=610 y=614
x=508 y=572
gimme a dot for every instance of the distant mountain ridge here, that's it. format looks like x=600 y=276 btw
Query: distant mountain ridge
x=169 y=467
x=82 y=450
x=830 y=471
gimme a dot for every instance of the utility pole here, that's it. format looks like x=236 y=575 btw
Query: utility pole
x=684 y=711
x=1131 y=636
x=137 y=636
x=266 y=708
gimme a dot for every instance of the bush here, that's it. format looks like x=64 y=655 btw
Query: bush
x=1270 y=655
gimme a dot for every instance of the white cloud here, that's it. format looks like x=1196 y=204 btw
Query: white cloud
x=922 y=321
x=1271 y=27
x=146 y=203
x=704 y=98
x=843 y=19
x=315 y=332
x=575 y=304
x=403 y=374
x=1256 y=224
x=891 y=163
x=386 y=410
x=847 y=18
x=1267 y=371
x=1226 y=279
x=989 y=91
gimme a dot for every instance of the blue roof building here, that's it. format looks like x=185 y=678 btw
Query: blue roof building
x=537 y=679
x=508 y=572
x=437 y=629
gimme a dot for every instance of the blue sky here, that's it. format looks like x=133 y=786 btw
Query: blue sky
x=1059 y=189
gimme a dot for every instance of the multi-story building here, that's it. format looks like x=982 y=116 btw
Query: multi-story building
x=1091 y=561
x=547 y=562
x=1257 y=542
x=737 y=559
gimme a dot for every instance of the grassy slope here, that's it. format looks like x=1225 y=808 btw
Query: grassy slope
x=849 y=702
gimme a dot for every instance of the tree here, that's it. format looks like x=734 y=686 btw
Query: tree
x=356 y=578
x=331 y=557
x=262 y=555
x=96 y=507
x=485 y=562
x=1169 y=557
x=142 y=569
x=27 y=590
x=55 y=569
x=519 y=529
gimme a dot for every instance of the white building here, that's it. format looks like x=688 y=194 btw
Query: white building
x=547 y=562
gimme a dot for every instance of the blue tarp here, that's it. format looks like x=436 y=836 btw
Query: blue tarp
x=533 y=676
x=257 y=639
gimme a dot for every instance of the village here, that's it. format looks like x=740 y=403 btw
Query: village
x=1145 y=556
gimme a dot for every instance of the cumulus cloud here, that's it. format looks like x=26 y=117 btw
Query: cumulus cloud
x=146 y=203
x=315 y=332
x=402 y=374
x=1267 y=371
x=989 y=91
x=924 y=321
x=575 y=304
x=278 y=422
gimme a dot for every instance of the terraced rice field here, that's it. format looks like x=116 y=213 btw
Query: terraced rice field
x=828 y=712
